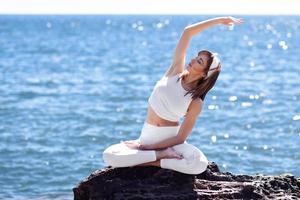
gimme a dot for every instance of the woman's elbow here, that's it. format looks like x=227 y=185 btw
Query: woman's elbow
x=187 y=31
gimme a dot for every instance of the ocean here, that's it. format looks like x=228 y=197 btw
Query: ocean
x=72 y=85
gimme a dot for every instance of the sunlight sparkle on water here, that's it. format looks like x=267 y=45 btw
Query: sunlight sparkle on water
x=214 y=138
x=246 y=104
x=213 y=107
x=296 y=117
x=233 y=98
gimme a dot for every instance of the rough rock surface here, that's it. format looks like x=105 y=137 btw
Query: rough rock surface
x=145 y=182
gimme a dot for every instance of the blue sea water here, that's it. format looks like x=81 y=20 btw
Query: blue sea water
x=70 y=86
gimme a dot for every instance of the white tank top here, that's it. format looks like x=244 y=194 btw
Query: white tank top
x=167 y=98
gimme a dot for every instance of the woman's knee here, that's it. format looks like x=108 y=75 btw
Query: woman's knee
x=200 y=162
x=108 y=158
x=200 y=166
x=187 y=166
x=196 y=162
x=115 y=160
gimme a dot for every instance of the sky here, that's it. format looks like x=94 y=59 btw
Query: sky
x=193 y=7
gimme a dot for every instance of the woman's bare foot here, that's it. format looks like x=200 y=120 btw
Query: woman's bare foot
x=168 y=153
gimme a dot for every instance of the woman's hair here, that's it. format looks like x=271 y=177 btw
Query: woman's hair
x=203 y=84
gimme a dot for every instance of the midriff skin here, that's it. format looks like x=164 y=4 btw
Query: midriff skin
x=153 y=119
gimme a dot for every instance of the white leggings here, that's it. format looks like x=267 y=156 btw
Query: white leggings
x=193 y=162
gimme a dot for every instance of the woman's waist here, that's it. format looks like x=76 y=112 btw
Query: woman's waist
x=152 y=134
x=154 y=119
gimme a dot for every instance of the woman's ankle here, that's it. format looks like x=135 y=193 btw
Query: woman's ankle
x=160 y=154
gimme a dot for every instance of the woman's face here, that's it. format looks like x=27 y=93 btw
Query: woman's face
x=198 y=64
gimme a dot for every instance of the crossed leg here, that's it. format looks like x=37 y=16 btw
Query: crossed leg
x=193 y=161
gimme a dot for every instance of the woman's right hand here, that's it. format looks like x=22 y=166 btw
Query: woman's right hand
x=135 y=144
x=229 y=21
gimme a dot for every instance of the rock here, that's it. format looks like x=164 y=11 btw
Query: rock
x=146 y=182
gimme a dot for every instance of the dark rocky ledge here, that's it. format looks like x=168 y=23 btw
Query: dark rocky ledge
x=157 y=183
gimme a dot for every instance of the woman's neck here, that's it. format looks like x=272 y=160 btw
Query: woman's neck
x=190 y=78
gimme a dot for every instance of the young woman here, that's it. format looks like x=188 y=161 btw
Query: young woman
x=179 y=93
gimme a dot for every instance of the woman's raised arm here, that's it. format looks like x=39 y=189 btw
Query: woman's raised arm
x=200 y=26
x=178 y=61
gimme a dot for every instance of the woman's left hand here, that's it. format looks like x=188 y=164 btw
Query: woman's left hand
x=229 y=21
x=134 y=144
